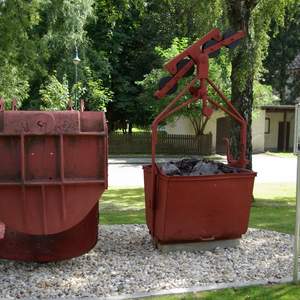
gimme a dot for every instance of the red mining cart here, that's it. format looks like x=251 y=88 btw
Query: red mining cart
x=198 y=208
x=53 y=171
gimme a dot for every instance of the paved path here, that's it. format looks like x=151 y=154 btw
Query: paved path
x=129 y=172
x=271 y=168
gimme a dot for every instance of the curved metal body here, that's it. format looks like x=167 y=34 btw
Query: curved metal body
x=54 y=247
x=53 y=171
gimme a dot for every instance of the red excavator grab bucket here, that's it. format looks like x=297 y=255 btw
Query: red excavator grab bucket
x=53 y=171
x=198 y=208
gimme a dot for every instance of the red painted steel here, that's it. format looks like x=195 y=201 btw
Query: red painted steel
x=53 y=171
x=54 y=247
x=199 y=56
x=198 y=207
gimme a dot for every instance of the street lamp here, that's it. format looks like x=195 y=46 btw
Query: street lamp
x=76 y=61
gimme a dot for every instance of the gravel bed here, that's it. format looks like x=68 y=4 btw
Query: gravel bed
x=125 y=262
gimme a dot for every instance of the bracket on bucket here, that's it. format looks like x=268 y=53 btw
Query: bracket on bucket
x=197 y=55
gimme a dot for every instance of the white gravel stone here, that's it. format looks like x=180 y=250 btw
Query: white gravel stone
x=124 y=261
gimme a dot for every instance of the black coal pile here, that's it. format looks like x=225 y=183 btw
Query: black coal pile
x=195 y=167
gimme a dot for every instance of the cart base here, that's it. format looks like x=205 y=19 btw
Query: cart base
x=197 y=246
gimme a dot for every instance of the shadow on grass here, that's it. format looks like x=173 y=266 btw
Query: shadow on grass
x=122 y=217
x=277 y=201
x=123 y=199
x=281 y=154
x=280 y=219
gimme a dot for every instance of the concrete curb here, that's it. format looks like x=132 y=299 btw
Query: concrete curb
x=198 y=246
x=139 y=160
x=119 y=160
x=209 y=287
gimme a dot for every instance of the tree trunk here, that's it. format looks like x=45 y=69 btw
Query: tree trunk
x=130 y=128
x=282 y=94
x=242 y=76
x=242 y=99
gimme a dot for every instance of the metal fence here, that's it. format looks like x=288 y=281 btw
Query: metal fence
x=140 y=143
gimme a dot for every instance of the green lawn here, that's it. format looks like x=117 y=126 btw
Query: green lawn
x=273 y=209
x=278 y=292
x=281 y=154
x=122 y=206
x=275 y=194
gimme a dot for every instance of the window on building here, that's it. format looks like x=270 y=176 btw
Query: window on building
x=267 y=125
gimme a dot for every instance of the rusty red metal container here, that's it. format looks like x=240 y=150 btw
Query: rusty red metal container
x=53 y=171
x=198 y=208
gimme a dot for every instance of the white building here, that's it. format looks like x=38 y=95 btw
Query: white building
x=272 y=128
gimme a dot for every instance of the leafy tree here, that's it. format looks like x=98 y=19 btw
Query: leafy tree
x=119 y=42
x=263 y=94
x=283 y=48
x=130 y=30
x=130 y=57
x=219 y=72
x=13 y=84
x=38 y=37
x=93 y=91
x=293 y=88
x=61 y=29
x=255 y=18
x=17 y=50
x=55 y=94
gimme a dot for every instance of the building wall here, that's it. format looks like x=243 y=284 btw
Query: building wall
x=182 y=125
x=271 y=139
x=212 y=127
x=258 y=131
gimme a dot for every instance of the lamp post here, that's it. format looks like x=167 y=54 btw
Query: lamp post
x=297 y=226
x=294 y=68
x=76 y=61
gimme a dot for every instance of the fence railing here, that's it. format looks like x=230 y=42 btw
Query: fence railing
x=140 y=143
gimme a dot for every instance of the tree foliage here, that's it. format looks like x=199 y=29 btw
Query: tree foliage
x=17 y=64
x=55 y=94
x=58 y=95
x=283 y=48
x=123 y=44
x=255 y=18
x=13 y=85
x=93 y=90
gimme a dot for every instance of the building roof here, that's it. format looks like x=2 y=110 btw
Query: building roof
x=295 y=64
x=278 y=108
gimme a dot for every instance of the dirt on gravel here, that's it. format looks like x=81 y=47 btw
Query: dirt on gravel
x=195 y=167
